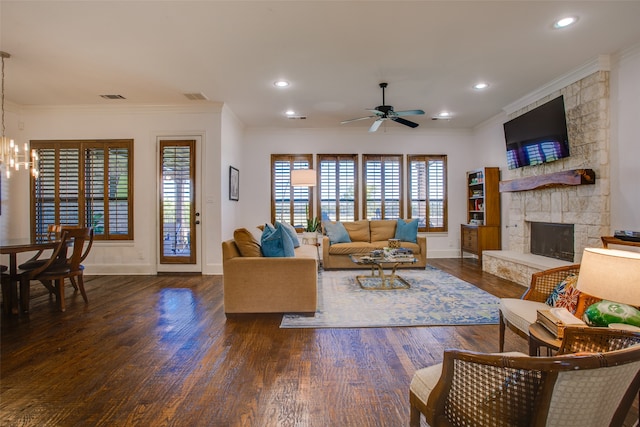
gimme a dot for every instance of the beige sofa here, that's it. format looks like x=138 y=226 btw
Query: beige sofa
x=255 y=284
x=366 y=236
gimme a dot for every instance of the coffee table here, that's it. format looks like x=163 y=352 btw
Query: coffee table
x=384 y=282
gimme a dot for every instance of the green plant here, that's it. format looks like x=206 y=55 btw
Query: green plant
x=313 y=225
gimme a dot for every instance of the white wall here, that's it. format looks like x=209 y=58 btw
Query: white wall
x=625 y=141
x=144 y=125
x=456 y=144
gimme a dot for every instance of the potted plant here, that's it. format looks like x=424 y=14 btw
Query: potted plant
x=311 y=230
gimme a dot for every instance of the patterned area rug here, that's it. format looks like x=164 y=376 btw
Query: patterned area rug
x=435 y=299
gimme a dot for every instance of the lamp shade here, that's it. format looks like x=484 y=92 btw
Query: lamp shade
x=610 y=274
x=303 y=178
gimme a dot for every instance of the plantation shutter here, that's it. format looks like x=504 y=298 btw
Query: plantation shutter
x=383 y=186
x=83 y=183
x=290 y=204
x=337 y=187
x=427 y=191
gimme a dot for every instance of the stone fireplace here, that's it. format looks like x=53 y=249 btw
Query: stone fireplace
x=584 y=207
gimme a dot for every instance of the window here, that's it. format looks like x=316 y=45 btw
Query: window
x=382 y=186
x=427 y=191
x=290 y=204
x=84 y=182
x=338 y=187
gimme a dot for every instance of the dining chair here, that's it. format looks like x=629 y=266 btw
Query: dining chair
x=55 y=270
x=53 y=233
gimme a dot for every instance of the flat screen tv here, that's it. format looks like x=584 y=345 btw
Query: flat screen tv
x=537 y=136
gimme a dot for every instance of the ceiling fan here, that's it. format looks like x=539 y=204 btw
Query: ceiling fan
x=385 y=112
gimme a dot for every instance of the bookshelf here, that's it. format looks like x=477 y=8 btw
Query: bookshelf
x=482 y=230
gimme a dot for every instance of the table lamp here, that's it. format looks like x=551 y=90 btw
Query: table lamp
x=610 y=274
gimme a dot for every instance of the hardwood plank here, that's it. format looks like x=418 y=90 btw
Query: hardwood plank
x=158 y=350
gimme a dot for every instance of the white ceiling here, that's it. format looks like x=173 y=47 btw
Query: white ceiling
x=334 y=53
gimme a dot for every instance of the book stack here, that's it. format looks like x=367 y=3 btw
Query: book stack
x=555 y=320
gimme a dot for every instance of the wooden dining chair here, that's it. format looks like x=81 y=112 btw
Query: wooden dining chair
x=53 y=233
x=55 y=270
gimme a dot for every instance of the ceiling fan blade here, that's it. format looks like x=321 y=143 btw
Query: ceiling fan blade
x=405 y=122
x=359 y=118
x=409 y=113
x=375 y=125
x=376 y=112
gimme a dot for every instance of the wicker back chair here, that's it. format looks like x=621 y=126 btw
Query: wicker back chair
x=518 y=314
x=512 y=389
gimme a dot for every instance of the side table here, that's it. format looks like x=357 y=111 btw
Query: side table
x=540 y=337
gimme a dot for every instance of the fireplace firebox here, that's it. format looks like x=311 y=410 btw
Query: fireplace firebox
x=552 y=240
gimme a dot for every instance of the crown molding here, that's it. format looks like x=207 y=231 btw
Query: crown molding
x=601 y=63
x=208 y=107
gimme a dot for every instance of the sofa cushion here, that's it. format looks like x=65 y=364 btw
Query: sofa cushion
x=407 y=231
x=291 y=231
x=247 y=244
x=382 y=230
x=276 y=243
x=336 y=232
x=358 y=230
x=521 y=313
x=355 y=248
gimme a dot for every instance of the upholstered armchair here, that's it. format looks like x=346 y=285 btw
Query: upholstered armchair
x=519 y=314
x=594 y=387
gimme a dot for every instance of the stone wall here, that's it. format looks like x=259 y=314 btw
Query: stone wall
x=586 y=206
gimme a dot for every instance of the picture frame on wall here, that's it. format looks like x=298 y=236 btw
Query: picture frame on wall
x=234 y=184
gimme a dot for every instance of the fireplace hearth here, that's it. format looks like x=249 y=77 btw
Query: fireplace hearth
x=552 y=240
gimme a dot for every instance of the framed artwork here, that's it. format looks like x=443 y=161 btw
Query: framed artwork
x=234 y=183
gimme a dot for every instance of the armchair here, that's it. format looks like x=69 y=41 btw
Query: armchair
x=519 y=314
x=584 y=389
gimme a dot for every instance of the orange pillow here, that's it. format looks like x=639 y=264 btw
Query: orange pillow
x=246 y=243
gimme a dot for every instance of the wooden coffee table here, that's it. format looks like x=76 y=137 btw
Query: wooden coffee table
x=386 y=282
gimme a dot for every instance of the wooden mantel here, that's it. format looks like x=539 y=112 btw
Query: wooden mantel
x=557 y=179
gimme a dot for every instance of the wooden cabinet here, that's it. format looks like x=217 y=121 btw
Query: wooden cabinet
x=482 y=231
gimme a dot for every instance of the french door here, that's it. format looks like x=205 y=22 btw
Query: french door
x=178 y=214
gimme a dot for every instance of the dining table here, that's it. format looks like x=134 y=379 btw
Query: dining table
x=12 y=247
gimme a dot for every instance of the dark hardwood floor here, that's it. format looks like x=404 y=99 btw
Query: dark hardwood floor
x=159 y=351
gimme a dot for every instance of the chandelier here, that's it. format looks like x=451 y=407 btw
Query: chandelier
x=10 y=154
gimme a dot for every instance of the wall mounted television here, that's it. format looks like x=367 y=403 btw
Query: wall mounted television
x=537 y=136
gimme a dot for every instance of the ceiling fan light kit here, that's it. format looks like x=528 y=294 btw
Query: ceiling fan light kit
x=386 y=112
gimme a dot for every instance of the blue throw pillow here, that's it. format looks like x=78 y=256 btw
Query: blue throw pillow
x=291 y=231
x=276 y=243
x=336 y=232
x=407 y=231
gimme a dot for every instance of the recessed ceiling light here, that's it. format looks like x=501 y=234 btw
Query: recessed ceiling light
x=481 y=85
x=444 y=114
x=281 y=83
x=565 y=22
x=290 y=113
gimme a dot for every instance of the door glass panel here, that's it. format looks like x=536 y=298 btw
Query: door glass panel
x=177 y=203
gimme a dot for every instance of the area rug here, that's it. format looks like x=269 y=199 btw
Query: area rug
x=435 y=298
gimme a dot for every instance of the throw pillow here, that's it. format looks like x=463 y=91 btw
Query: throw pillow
x=605 y=312
x=565 y=294
x=291 y=231
x=336 y=232
x=276 y=243
x=246 y=243
x=407 y=231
